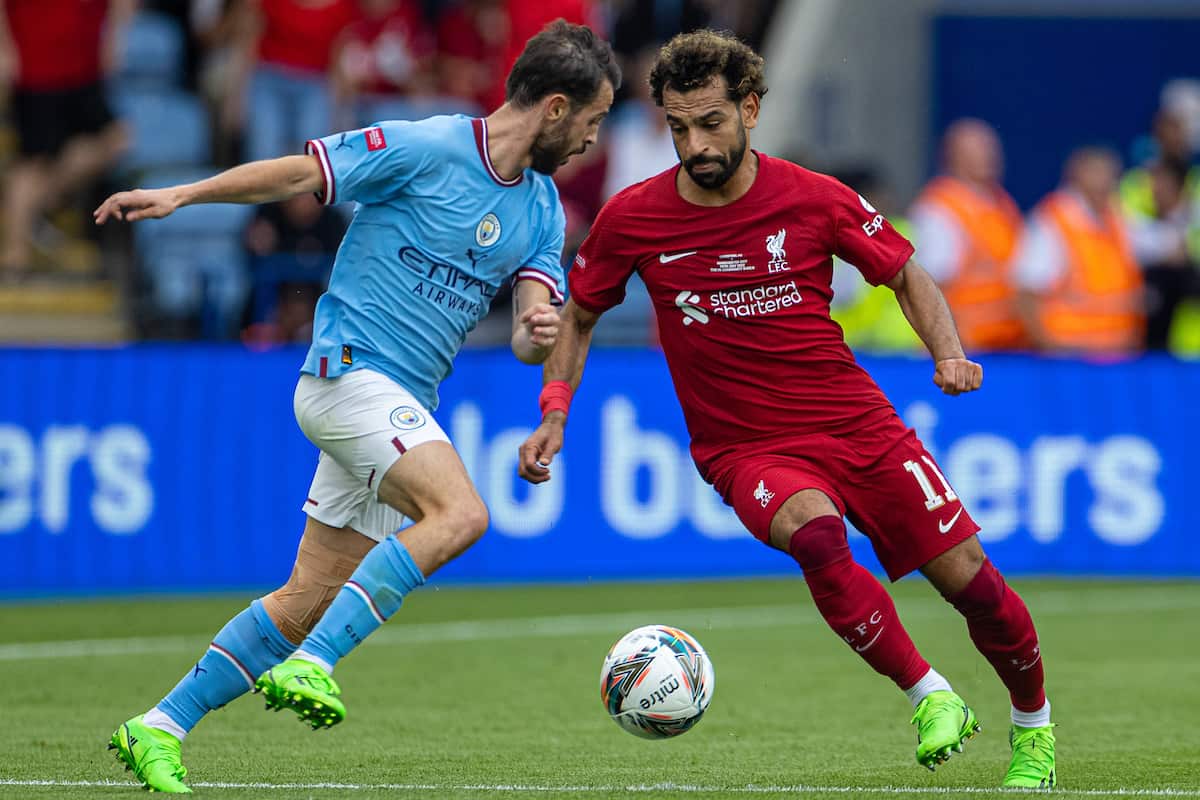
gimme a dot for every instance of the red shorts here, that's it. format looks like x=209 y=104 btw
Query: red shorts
x=880 y=477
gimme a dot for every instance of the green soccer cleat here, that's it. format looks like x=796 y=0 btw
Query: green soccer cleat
x=306 y=689
x=1032 y=765
x=153 y=755
x=943 y=723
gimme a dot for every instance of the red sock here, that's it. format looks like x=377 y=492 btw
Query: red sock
x=1001 y=628
x=854 y=603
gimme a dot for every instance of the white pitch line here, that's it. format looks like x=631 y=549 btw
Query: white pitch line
x=635 y=788
x=1045 y=604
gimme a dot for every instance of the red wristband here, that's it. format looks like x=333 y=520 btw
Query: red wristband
x=555 y=396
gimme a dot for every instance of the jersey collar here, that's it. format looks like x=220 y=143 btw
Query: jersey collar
x=480 y=127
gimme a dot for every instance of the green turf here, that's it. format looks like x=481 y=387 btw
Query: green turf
x=470 y=690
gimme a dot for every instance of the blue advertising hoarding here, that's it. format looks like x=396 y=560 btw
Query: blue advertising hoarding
x=158 y=468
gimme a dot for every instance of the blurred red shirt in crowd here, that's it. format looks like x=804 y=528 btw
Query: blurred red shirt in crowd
x=300 y=33
x=59 y=56
x=481 y=39
x=389 y=50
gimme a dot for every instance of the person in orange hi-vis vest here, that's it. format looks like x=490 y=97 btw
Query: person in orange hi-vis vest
x=1081 y=288
x=966 y=228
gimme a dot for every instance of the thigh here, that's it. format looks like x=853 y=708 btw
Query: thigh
x=364 y=421
x=266 y=115
x=761 y=486
x=904 y=505
x=430 y=480
x=40 y=122
x=89 y=110
x=338 y=499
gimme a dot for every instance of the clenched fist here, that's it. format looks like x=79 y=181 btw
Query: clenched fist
x=957 y=375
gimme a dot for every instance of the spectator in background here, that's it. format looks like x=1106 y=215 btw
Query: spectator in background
x=526 y=18
x=639 y=141
x=286 y=49
x=383 y=62
x=291 y=319
x=1144 y=190
x=222 y=53
x=870 y=317
x=54 y=55
x=472 y=39
x=1080 y=286
x=1172 y=147
x=641 y=24
x=1160 y=243
x=966 y=228
x=291 y=246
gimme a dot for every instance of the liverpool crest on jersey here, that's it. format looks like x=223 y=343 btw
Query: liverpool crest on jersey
x=778 y=262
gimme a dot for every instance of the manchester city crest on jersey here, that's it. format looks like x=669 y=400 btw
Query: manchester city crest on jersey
x=487 y=232
x=407 y=418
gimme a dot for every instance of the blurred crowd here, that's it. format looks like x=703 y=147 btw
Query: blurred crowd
x=1107 y=264
x=107 y=94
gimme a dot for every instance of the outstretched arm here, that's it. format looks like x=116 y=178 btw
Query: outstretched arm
x=256 y=182
x=926 y=310
x=564 y=366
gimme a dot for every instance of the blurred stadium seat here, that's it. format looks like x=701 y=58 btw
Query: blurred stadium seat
x=153 y=53
x=193 y=260
x=169 y=128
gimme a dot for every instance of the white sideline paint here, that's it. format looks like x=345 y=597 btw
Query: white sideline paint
x=676 y=788
x=697 y=620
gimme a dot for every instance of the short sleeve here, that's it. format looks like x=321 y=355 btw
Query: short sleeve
x=368 y=165
x=545 y=264
x=864 y=238
x=602 y=268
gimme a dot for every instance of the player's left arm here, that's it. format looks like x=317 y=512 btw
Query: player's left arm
x=929 y=315
x=535 y=322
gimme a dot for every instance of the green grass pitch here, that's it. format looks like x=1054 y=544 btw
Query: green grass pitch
x=493 y=693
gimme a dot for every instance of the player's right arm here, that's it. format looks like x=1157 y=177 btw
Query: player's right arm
x=564 y=366
x=597 y=283
x=256 y=182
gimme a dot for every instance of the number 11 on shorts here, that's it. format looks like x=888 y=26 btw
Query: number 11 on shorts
x=933 y=500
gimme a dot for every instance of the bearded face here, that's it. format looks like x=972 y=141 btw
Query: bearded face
x=553 y=147
x=713 y=172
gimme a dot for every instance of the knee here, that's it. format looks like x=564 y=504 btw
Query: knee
x=465 y=523
x=982 y=595
x=820 y=543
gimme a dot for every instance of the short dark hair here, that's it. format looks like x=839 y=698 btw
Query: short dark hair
x=563 y=58
x=690 y=60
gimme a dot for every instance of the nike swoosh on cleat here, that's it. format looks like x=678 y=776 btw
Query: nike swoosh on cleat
x=945 y=527
x=663 y=258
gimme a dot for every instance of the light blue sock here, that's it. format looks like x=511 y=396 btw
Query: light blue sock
x=373 y=593
x=245 y=648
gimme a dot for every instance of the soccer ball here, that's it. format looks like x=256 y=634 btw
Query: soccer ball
x=656 y=682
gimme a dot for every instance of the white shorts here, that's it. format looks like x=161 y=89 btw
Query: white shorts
x=363 y=422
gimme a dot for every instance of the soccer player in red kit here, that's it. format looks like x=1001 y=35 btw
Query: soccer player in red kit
x=736 y=250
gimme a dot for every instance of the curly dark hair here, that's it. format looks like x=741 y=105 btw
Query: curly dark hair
x=690 y=60
x=565 y=58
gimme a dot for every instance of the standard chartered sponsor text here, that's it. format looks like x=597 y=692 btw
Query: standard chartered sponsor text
x=756 y=301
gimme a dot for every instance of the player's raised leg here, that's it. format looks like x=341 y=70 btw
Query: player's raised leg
x=1002 y=629
x=428 y=484
x=258 y=637
x=858 y=608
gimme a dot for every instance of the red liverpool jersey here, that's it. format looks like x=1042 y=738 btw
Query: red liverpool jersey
x=742 y=295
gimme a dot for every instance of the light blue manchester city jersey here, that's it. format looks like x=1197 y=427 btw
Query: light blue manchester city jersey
x=436 y=233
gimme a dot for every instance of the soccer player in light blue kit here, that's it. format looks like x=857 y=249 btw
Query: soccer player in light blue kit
x=449 y=209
